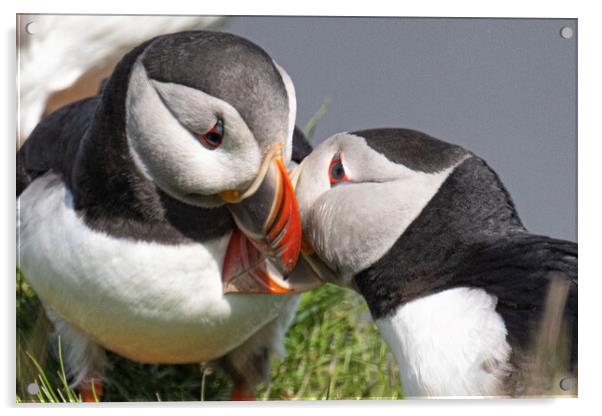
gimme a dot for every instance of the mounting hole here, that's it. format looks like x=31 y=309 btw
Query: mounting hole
x=566 y=32
x=31 y=28
x=33 y=388
x=566 y=384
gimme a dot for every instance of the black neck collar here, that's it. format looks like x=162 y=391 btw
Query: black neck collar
x=471 y=211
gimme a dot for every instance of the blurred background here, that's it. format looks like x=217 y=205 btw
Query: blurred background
x=503 y=88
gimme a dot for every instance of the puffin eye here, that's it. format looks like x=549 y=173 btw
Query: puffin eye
x=336 y=170
x=214 y=137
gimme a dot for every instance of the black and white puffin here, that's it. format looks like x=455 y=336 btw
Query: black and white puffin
x=132 y=204
x=430 y=237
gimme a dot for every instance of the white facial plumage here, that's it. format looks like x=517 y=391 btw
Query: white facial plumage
x=164 y=121
x=354 y=223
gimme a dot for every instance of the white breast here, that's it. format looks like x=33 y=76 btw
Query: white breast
x=146 y=301
x=451 y=343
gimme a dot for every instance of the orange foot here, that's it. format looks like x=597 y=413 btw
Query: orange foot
x=88 y=388
x=241 y=393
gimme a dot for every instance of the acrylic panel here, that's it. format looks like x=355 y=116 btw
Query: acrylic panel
x=218 y=208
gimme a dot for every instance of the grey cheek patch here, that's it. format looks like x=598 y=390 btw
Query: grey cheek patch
x=352 y=225
x=167 y=152
x=194 y=109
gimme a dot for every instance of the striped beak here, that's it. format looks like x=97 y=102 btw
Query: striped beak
x=268 y=221
x=247 y=271
x=262 y=260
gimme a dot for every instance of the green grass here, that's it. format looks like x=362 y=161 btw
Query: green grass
x=333 y=351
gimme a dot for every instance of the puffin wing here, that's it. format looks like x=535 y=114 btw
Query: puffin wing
x=53 y=143
x=521 y=272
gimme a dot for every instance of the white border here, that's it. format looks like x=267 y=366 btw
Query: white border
x=589 y=36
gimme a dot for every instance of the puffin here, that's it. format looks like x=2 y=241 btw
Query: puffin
x=427 y=233
x=133 y=205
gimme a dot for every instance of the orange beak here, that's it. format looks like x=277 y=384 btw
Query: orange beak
x=246 y=271
x=263 y=252
x=268 y=220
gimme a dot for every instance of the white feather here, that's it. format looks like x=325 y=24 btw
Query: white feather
x=451 y=343
x=146 y=301
x=292 y=109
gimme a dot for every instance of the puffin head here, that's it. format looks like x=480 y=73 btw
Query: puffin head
x=358 y=192
x=209 y=120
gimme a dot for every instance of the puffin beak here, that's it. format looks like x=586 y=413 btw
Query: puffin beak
x=247 y=269
x=269 y=224
x=320 y=269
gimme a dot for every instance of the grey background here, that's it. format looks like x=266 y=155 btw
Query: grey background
x=504 y=88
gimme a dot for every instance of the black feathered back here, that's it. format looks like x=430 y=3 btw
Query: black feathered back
x=518 y=270
x=469 y=235
x=52 y=145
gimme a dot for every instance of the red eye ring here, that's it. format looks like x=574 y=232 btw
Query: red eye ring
x=214 y=137
x=336 y=170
